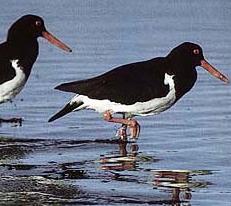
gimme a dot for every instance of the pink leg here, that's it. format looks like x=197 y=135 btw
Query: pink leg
x=131 y=123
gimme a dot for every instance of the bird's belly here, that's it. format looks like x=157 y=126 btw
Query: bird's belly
x=11 y=88
x=153 y=106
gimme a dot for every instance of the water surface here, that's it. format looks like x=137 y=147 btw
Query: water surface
x=182 y=156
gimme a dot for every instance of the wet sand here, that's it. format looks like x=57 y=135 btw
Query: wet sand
x=29 y=181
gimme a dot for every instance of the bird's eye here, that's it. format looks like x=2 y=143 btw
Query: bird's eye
x=38 y=23
x=196 y=51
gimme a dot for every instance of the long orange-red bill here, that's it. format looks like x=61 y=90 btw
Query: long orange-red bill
x=213 y=71
x=53 y=40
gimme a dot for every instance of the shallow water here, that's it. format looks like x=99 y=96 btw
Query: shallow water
x=182 y=156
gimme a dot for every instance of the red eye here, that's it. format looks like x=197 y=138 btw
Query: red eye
x=38 y=23
x=196 y=51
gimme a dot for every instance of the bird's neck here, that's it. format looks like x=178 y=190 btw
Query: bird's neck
x=185 y=77
x=25 y=52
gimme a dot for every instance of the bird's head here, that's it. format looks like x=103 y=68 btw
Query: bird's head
x=29 y=28
x=191 y=55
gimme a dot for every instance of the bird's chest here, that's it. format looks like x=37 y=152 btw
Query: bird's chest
x=185 y=82
x=11 y=88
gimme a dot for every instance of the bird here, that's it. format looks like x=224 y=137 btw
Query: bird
x=139 y=89
x=18 y=54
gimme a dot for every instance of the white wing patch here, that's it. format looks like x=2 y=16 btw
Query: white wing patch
x=150 y=107
x=11 y=88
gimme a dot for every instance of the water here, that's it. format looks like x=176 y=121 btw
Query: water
x=182 y=156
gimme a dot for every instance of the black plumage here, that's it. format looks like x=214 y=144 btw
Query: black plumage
x=121 y=84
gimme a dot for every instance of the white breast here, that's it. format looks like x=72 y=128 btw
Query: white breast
x=11 y=88
x=150 y=107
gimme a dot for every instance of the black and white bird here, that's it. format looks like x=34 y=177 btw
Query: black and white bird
x=139 y=89
x=18 y=54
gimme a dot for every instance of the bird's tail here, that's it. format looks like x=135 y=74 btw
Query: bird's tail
x=69 y=107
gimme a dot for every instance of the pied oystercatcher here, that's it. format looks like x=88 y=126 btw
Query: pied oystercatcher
x=139 y=89
x=18 y=54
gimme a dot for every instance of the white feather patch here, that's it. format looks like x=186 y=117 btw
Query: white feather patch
x=153 y=106
x=11 y=88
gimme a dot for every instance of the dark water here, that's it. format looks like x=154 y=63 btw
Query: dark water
x=182 y=156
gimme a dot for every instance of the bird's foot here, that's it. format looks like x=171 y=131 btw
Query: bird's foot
x=15 y=120
x=107 y=116
x=132 y=124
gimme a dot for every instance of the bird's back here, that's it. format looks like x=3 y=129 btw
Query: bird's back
x=127 y=84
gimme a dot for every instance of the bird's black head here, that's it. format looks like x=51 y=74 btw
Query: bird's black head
x=28 y=28
x=187 y=56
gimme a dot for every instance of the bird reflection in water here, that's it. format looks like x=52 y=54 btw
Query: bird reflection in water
x=125 y=159
x=178 y=183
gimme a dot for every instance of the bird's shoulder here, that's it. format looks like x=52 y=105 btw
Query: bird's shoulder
x=7 y=72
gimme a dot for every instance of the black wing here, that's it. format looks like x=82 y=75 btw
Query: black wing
x=127 y=84
x=7 y=72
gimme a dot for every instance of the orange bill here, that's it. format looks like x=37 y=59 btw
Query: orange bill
x=213 y=71
x=53 y=40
